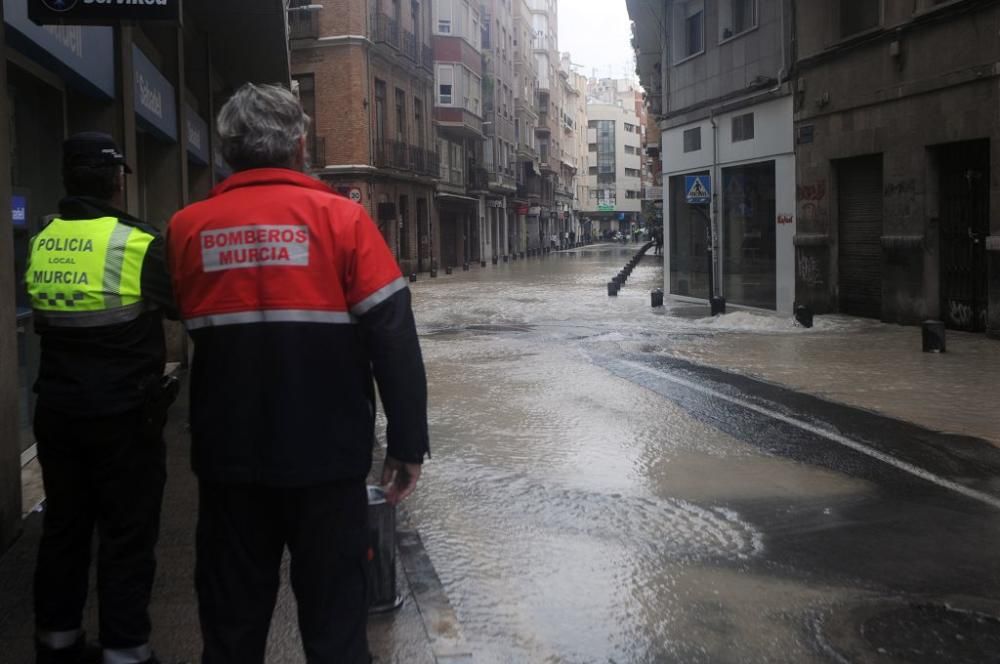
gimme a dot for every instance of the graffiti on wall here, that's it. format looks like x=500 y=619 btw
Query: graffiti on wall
x=809 y=271
x=811 y=192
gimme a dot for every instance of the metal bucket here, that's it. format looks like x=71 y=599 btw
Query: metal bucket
x=382 y=593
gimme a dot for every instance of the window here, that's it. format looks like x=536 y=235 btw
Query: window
x=629 y=149
x=859 y=15
x=445 y=85
x=592 y=147
x=592 y=170
x=418 y=120
x=632 y=173
x=444 y=16
x=400 y=115
x=379 y=110
x=736 y=17
x=743 y=127
x=692 y=140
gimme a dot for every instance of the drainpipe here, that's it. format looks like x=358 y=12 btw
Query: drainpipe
x=713 y=220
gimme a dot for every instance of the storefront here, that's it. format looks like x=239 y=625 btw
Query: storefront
x=748 y=155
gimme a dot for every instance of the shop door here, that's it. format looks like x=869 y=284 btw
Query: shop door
x=965 y=204
x=860 y=247
x=424 y=236
x=449 y=239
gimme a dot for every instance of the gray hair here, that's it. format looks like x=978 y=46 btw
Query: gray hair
x=261 y=126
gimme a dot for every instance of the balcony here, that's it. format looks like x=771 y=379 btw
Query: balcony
x=499 y=127
x=427 y=58
x=410 y=47
x=303 y=25
x=479 y=180
x=458 y=122
x=531 y=189
x=405 y=157
x=385 y=30
x=502 y=180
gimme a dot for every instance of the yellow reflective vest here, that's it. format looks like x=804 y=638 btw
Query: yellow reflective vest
x=87 y=273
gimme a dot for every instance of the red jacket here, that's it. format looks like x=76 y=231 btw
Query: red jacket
x=293 y=300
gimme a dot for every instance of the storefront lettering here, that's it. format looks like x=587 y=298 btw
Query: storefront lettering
x=70 y=36
x=150 y=97
x=161 y=3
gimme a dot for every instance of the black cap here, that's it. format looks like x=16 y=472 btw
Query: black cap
x=93 y=148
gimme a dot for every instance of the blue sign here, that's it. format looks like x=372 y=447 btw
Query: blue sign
x=197 y=136
x=698 y=189
x=155 y=102
x=83 y=55
x=222 y=169
x=19 y=211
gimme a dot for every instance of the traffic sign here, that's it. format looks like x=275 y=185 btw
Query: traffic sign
x=354 y=194
x=698 y=188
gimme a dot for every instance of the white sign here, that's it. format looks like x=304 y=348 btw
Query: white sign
x=354 y=194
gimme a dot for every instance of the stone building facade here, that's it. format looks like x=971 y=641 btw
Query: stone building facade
x=898 y=169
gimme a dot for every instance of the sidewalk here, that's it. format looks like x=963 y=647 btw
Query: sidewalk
x=861 y=363
x=424 y=631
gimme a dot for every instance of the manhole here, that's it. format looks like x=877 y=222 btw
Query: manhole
x=916 y=632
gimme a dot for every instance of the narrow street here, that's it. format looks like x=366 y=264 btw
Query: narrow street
x=594 y=499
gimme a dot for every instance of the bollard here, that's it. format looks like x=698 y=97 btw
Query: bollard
x=495 y=260
x=434 y=273
x=465 y=267
x=612 y=288
x=482 y=263
x=718 y=305
x=656 y=297
x=413 y=277
x=448 y=270
x=506 y=259
x=933 y=336
x=381 y=581
x=804 y=315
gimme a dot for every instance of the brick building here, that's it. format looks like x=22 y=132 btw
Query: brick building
x=365 y=73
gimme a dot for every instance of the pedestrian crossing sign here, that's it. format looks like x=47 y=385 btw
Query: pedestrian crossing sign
x=698 y=188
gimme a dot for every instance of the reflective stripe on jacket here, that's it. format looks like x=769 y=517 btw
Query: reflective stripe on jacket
x=87 y=273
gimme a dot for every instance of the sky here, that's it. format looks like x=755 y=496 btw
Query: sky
x=597 y=34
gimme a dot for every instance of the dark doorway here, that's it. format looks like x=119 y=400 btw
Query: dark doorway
x=859 y=197
x=404 y=228
x=965 y=203
x=423 y=237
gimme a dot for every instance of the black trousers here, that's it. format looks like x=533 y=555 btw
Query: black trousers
x=107 y=473
x=242 y=534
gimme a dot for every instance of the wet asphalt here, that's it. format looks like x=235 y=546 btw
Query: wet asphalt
x=593 y=499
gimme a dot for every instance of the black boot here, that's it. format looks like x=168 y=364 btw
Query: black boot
x=78 y=653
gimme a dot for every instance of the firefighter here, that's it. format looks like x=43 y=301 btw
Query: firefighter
x=295 y=303
x=99 y=289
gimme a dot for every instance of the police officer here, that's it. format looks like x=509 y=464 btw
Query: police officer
x=99 y=288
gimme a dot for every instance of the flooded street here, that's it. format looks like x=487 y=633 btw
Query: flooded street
x=593 y=499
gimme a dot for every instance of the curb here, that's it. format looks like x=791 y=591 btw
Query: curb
x=447 y=642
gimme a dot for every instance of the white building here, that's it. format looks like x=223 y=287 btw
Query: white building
x=614 y=167
x=718 y=79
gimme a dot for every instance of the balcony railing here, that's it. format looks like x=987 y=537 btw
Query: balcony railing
x=479 y=179
x=410 y=48
x=502 y=180
x=303 y=25
x=532 y=188
x=405 y=157
x=386 y=30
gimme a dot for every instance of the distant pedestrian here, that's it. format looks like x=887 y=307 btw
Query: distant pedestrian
x=658 y=240
x=99 y=288
x=294 y=302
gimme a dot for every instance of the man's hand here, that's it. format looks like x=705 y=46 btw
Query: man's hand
x=400 y=479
